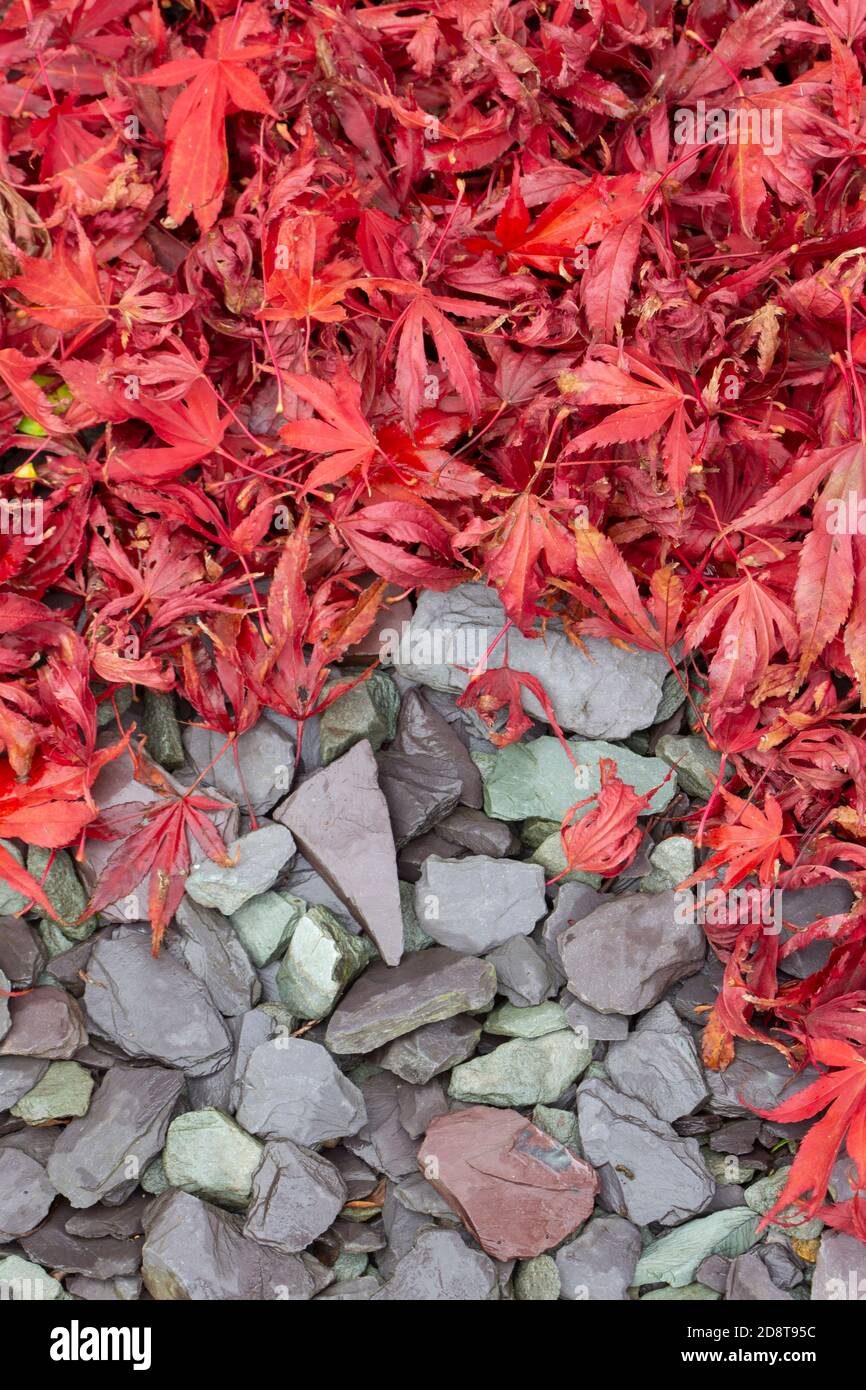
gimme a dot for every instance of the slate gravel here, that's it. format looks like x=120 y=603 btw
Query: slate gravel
x=380 y=1056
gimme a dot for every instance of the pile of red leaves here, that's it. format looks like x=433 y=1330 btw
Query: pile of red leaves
x=308 y=305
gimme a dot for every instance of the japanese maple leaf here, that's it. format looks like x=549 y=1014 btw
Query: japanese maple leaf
x=192 y=427
x=293 y=287
x=831 y=575
x=605 y=840
x=195 y=132
x=754 y=845
x=379 y=533
x=493 y=690
x=622 y=614
x=156 y=842
x=513 y=546
x=341 y=434
x=65 y=290
x=842 y=1095
x=648 y=399
x=757 y=624
x=578 y=218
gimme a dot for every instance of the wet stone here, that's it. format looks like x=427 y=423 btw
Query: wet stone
x=209 y=1155
x=197 y=1252
x=339 y=818
x=46 y=1023
x=62 y=1093
x=122 y=1131
x=257 y=858
x=368 y=711
x=419 y=790
x=25 y=1194
x=386 y=1004
x=264 y=924
x=537 y=1281
x=659 y=1064
x=422 y=732
x=651 y=1173
x=292 y=1089
x=211 y=951
x=419 y=1056
x=153 y=1007
x=599 y=1264
x=472 y=830
x=477 y=903
x=296 y=1195
x=518 y=1191
x=524 y=972
x=321 y=959
x=440 y=1267
x=624 y=956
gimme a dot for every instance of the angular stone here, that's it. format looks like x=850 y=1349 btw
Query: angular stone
x=25 y=1194
x=598 y=690
x=211 y=951
x=561 y=1125
x=524 y=972
x=652 y=1173
x=673 y=860
x=762 y=1196
x=321 y=959
x=153 y=1007
x=296 y=1195
x=589 y=1023
x=674 y=1258
x=840 y=1269
x=195 y=1252
x=659 y=1064
x=518 y=1190
x=18 y=1075
x=477 y=903
x=411 y=857
x=690 y=1293
x=351 y=1290
x=22 y=955
x=122 y=1131
x=419 y=790
x=22 y=1281
x=61 y=1094
x=599 y=1264
x=697 y=765
x=257 y=861
x=265 y=924
x=419 y=1056
x=759 y=1078
x=477 y=833
x=63 y=888
x=386 y=1004
x=749 y=1279
x=538 y=778
x=369 y=710
x=623 y=957
x=383 y=1136
x=800 y=908
x=46 y=1023
x=209 y=1155
x=339 y=817
x=440 y=1267
x=160 y=724
x=121 y=1289
x=11 y=902
x=525 y=1071
x=713 y=1271
x=56 y=1247
x=512 y=1021
x=537 y=1281
x=265 y=755
x=292 y=1089
x=117 y=1222
x=574 y=901
x=414 y=936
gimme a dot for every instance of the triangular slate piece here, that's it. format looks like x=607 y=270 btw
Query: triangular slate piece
x=339 y=818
